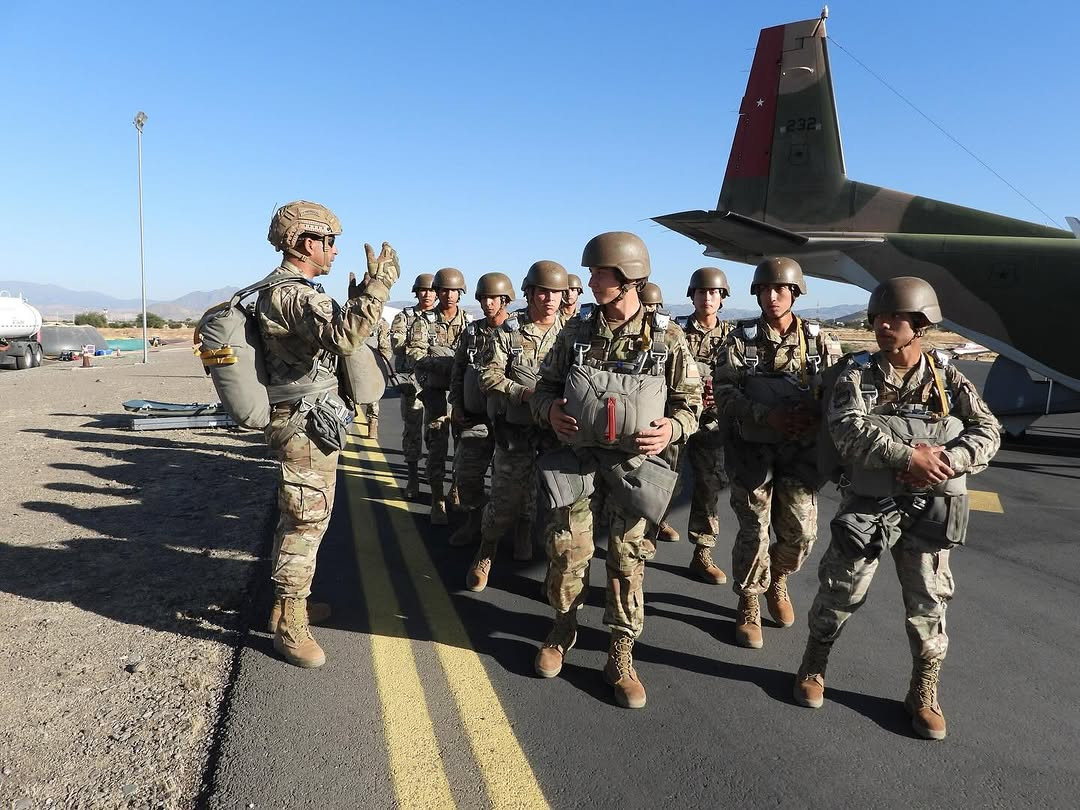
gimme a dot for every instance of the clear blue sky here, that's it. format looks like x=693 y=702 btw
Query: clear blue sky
x=483 y=135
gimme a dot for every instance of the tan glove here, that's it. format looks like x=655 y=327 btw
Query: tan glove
x=383 y=270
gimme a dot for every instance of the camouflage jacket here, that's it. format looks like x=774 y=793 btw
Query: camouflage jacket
x=432 y=328
x=480 y=342
x=862 y=442
x=536 y=342
x=681 y=371
x=706 y=345
x=302 y=326
x=776 y=353
x=399 y=330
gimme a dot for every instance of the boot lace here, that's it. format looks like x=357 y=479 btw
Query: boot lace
x=779 y=587
x=561 y=635
x=751 y=610
x=927 y=682
x=483 y=566
x=296 y=619
x=621 y=654
x=705 y=556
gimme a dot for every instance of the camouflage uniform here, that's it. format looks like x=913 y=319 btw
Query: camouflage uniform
x=472 y=453
x=925 y=578
x=771 y=484
x=422 y=335
x=380 y=343
x=412 y=409
x=570 y=534
x=299 y=325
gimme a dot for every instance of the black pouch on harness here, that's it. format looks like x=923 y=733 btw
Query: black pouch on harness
x=328 y=420
x=940 y=521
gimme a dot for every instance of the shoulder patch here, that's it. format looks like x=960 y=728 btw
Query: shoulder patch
x=585 y=312
x=682 y=321
x=660 y=320
x=940 y=358
x=813 y=328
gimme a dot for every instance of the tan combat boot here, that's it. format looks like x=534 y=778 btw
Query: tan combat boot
x=293 y=638
x=921 y=702
x=412 y=488
x=477 y=578
x=373 y=428
x=667 y=533
x=317 y=613
x=453 y=499
x=523 y=540
x=748 y=622
x=810 y=679
x=704 y=568
x=563 y=636
x=776 y=597
x=620 y=673
x=438 y=505
x=468 y=532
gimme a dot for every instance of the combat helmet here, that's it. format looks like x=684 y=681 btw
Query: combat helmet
x=621 y=250
x=294 y=219
x=651 y=295
x=574 y=283
x=547 y=274
x=708 y=278
x=424 y=281
x=904 y=294
x=494 y=284
x=779 y=270
x=449 y=278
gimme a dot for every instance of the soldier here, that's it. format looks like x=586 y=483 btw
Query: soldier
x=430 y=346
x=706 y=335
x=652 y=297
x=472 y=454
x=304 y=332
x=570 y=304
x=764 y=384
x=509 y=379
x=904 y=493
x=647 y=360
x=412 y=409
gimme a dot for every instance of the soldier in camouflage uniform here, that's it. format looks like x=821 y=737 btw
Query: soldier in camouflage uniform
x=706 y=335
x=764 y=385
x=304 y=332
x=412 y=409
x=517 y=439
x=916 y=524
x=617 y=332
x=472 y=454
x=430 y=347
x=570 y=305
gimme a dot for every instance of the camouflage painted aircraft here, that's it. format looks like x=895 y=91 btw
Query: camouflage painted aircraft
x=1008 y=284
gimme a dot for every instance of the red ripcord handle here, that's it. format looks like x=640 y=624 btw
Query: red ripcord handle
x=611 y=419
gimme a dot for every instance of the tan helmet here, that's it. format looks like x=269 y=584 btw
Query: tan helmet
x=621 y=250
x=449 y=278
x=652 y=295
x=547 y=274
x=574 y=283
x=424 y=281
x=492 y=284
x=300 y=217
x=904 y=294
x=779 y=270
x=708 y=278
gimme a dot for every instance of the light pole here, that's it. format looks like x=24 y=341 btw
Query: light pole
x=140 y=119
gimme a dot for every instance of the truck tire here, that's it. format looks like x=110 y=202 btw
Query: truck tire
x=24 y=360
x=37 y=357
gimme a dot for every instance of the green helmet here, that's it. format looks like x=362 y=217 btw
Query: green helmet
x=424 y=281
x=620 y=250
x=708 y=278
x=651 y=294
x=574 y=283
x=493 y=284
x=449 y=278
x=547 y=274
x=296 y=218
x=779 y=270
x=904 y=294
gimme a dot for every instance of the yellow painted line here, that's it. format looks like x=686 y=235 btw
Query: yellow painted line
x=416 y=769
x=985 y=501
x=508 y=776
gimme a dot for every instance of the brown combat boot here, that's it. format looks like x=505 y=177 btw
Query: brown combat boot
x=438 y=505
x=453 y=498
x=317 y=613
x=293 y=638
x=620 y=673
x=412 y=488
x=563 y=636
x=748 y=623
x=523 y=540
x=373 y=428
x=468 y=532
x=704 y=568
x=668 y=534
x=810 y=679
x=921 y=702
x=776 y=597
x=477 y=578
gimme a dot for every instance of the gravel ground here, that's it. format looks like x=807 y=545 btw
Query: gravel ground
x=127 y=561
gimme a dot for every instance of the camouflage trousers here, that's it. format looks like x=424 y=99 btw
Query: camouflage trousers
x=570 y=547
x=472 y=457
x=786 y=505
x=305 y=501
x=844 y=576
x=412 y=420
x=436 y=433
x=513 y=492
x=705 y=454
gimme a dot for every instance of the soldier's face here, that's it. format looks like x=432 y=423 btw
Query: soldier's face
x=544 y=303
x=448 y=298
x=425 y=298
x=490 y=305
x=893 y=330
x=774 y=299
x=605 y=284
x=571 y=297
x=708 y=302
x=320 y=253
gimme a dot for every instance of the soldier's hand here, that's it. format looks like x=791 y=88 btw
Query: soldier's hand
x=564 y=425
x=929 y=464
x=354 y=288
x=708 y=401
x=651 y=442
x=383 y=267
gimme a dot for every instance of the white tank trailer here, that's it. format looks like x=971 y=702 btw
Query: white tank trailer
x=20 y=333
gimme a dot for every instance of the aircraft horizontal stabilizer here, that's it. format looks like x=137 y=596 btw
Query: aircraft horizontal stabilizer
x=1018 y=399
x=737 y=237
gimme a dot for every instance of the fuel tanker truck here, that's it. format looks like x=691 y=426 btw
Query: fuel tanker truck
x=20 y=333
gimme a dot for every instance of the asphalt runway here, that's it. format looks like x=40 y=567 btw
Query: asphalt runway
x=429 y=699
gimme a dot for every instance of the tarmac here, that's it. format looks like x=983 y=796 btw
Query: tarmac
x=429 y=699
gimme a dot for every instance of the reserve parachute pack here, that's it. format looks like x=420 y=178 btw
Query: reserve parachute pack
x=476 y=400
x=232 y=353
x=517 y=370
x=435 y=370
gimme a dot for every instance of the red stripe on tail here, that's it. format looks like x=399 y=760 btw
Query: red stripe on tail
x=752 y=147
